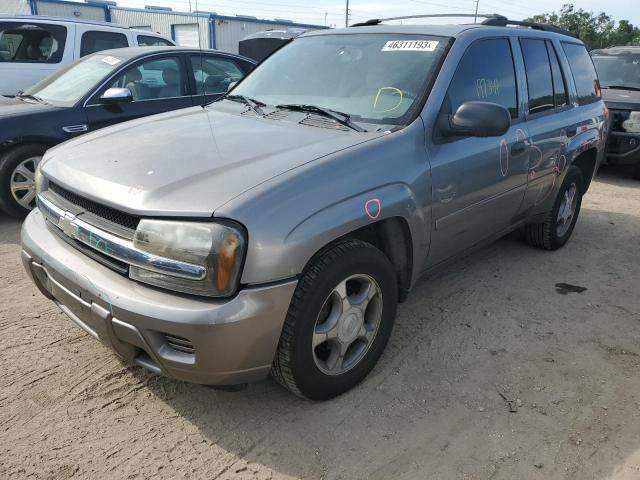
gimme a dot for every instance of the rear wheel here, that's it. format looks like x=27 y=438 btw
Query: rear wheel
x=339 y=321
x=557 y=228
x=17 y=179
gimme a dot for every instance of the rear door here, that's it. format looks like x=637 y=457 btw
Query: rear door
x=549 y=118
x=478 y=183
x=158 y=83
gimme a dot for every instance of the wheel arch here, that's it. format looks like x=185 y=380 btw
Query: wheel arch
x=586 y=161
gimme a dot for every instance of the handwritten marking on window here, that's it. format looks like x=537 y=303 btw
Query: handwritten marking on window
x=487 y=87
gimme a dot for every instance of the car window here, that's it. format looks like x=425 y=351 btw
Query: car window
x=559 y=84
x=97 y=41
x=31 y=43
x=619 y=69
x=214 y=74
x=485 y=73
x=583 y=71
x=538 y=70
x=159 y=78
x=67 y=86
x=150 y=41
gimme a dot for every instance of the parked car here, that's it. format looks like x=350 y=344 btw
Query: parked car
x=99 y=90
x=619 y=72
x=260 y=45
x=276 y=229
x=34 y=47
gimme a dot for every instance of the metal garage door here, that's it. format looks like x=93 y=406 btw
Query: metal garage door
x=187 y=35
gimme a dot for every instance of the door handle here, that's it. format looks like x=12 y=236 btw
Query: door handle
x=518 y=148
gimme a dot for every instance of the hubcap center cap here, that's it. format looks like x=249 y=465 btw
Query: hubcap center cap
x=350 y=326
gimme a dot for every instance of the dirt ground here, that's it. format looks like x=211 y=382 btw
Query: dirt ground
x=491 y=329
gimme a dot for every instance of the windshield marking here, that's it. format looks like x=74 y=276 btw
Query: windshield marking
x=410 y=46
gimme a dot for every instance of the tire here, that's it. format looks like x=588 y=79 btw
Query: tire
x=11 y=164
x=315 y=372
x=636 y=172
x=553 y=233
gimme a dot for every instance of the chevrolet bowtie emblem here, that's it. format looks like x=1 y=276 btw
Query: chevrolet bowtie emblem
x=65 y=222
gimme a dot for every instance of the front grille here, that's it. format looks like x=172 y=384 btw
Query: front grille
x=110 y=262
x=179 y=343
x=110 y=214
x=617 y=118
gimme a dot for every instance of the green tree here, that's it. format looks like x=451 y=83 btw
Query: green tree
x=596 y=31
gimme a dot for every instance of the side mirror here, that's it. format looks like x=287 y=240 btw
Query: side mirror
x=116 y=95
x=231 y=85
x=477 y=119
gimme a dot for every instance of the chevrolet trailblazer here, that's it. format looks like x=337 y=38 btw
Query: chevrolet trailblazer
x=276 y=229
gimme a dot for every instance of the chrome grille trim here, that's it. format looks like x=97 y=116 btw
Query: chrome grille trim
x=113 y=246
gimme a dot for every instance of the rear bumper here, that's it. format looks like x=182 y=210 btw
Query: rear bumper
x=234 y=340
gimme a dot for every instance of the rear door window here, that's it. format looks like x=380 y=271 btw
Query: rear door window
x=583 y=71
x=96 y=41
x=150 y=41
x=23 y=42
x=485 y=73
x=214 y=74
x=539 y=79
x=559 y=84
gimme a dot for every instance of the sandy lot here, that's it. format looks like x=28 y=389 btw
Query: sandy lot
x=492 y=328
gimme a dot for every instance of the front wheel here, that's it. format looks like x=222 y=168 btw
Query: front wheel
x=17 y=179
x=556 y=230
x=339 y=321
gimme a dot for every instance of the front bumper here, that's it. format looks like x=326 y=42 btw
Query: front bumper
x=233 y=340
x=623 y=148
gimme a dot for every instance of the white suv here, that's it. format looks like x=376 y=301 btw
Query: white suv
x=32 y=47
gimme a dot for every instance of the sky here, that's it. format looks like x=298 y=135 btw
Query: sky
x=333 y=11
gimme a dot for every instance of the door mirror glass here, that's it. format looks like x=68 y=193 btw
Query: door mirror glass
x=116 y=95
x=477 y=119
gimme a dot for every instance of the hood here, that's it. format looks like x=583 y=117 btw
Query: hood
x=188 y=162
x=13 y=106
x=621 y=99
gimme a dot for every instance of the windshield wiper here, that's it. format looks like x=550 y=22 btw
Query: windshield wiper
x=33 y=97
x=622 y=87
x=251 y=102
x=340 y=117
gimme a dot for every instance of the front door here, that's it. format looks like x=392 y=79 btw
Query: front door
x=478 y=183
x=157 y=84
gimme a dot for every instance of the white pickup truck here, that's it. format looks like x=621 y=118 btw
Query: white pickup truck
x=33 y=47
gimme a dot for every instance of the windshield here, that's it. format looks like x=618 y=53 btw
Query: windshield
x=618 y=70
x=65 y=87
x=374 y=78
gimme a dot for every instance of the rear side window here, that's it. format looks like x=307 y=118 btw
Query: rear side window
x=559 y=84
x=583 y=71
x=485 y=73
x=97 y=41
x=149 y=41
x=31 y=43
x=538 y=69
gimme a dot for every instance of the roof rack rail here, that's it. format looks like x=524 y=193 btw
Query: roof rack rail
x=377 y=21
x=500 y=21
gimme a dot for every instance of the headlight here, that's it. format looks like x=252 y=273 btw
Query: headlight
x=38 y=178
x=218 y=247
x=632 y=124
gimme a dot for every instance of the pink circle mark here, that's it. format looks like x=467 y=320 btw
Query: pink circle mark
x=373 y=208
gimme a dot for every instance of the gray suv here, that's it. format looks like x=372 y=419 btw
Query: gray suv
x=276 y=229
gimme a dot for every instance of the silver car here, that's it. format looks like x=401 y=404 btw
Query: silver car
x=276 y=229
